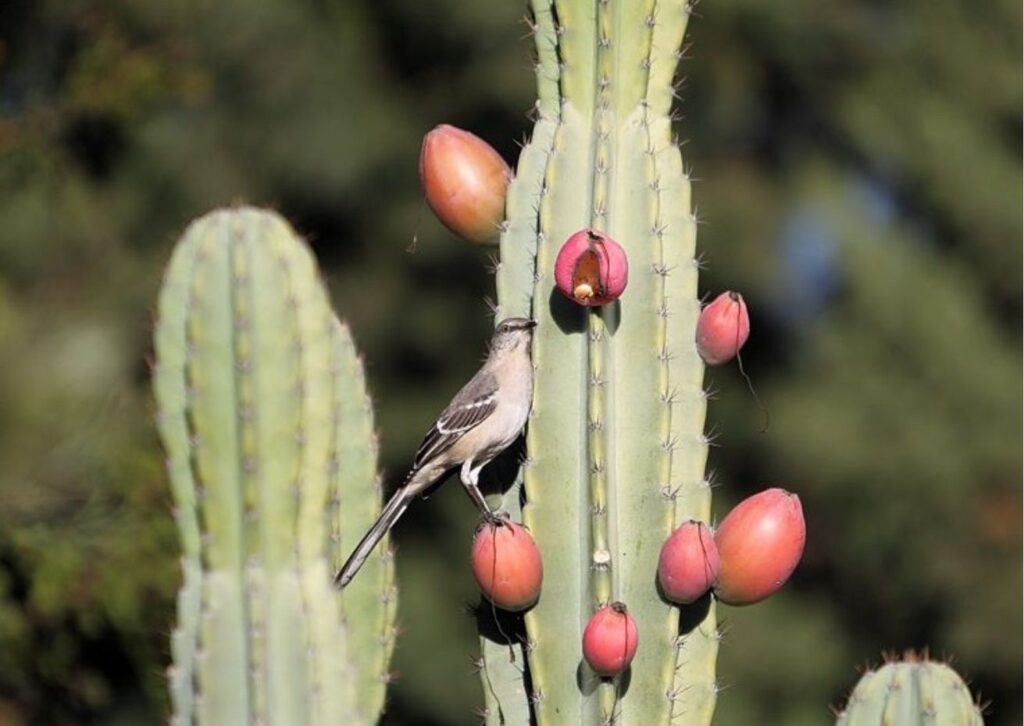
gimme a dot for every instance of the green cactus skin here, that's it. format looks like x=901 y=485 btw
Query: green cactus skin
x=910 y=692
x=615 y=445
x=272 y=459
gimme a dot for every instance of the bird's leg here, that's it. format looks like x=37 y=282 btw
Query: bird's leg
x=470 y=477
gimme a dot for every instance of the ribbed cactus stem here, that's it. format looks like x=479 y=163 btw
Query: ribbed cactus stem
x=914 y=690
x=247 y=346
x=615 y=446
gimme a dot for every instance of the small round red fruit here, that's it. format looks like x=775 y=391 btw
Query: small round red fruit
x=591 y=268
x=610 y=640
x=464 y=181
x=688 y=564
x=759 y=544
x=723 y=328
x=507 y=565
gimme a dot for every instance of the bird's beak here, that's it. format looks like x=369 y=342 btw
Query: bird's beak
x=531 y=324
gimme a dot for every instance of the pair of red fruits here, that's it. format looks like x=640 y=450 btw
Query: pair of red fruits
x=749 y=556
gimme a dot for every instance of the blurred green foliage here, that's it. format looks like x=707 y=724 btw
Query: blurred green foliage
x=860 y=177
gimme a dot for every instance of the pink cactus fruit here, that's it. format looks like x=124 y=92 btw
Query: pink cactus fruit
x=760 y=543
x=688 y=565
x=507 y=565
x=464 y=181
x=591 y=268
x=723 y=328
x=610 y=640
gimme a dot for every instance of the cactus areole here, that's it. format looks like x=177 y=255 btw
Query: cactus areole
x=591 y=268
x=464 y=181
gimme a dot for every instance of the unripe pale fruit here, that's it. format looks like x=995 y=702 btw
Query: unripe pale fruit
x=464 y=181
x=507 y=565
x=759 y=544
x=723 y=328
x=591 y=268
x=610 y=640
x=688 y=565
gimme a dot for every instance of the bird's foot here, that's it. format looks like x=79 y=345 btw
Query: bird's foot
x=497 y=518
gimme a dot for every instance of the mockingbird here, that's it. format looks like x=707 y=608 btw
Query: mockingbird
x=480 y=422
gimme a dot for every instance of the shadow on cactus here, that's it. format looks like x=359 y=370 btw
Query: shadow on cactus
x=272 y=459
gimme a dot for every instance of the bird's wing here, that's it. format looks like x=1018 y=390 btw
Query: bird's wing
x=474 y=403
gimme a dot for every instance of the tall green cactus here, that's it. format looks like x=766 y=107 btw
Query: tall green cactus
x=272 y=459
x=615 y=448
x=909 y=692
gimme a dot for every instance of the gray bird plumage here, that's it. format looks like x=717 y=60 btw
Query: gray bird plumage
x=483 y=419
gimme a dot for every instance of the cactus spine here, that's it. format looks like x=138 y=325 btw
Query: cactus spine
x=272 y=459
x=912 y=691
x=615 y=447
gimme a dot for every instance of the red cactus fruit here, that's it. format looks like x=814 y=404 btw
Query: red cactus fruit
x=723 y=328
x=610 y=640
x=591 y=268
x=464 y=180
x=760 y=543
x=689 y=563
x=507 y=565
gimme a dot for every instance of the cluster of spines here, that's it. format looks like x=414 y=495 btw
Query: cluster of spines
x=602 y=155
x=246 y=349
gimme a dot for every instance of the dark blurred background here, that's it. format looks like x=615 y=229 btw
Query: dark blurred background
x=859 y=179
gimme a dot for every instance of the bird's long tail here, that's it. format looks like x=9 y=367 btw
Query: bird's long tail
x=392 y=511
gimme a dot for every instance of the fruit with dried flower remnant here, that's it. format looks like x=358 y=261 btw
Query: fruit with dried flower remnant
x=688 y=564
x=723 y=328
x=591 y=268
x=759 y=544
x=610 y=640
x=464 y=181
x=507 y=565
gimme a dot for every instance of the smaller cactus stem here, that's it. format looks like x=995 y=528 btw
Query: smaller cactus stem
x=245 y=391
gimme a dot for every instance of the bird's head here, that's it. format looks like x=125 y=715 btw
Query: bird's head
x=512 y=333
